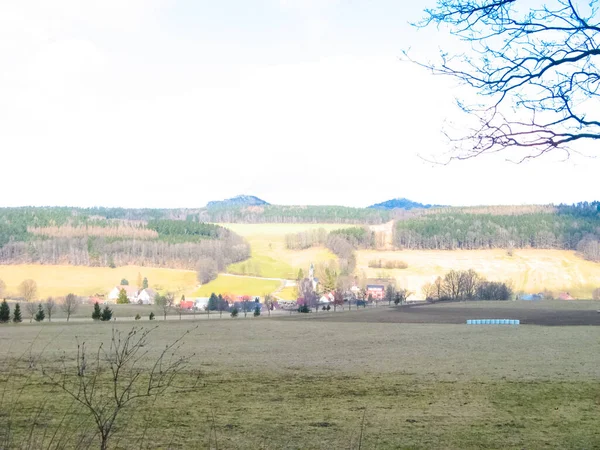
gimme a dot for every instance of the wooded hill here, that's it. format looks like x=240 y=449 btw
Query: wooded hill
x=571 y=227
x=114 y=237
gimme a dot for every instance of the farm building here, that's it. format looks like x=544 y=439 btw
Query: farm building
x=146 y=296
x=201 y=303
x=376 y=291
x=531 y=297
x=131 y=291
x=187 y=304
x=134 y=294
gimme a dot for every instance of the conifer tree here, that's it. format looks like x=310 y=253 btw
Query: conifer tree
x=97 y=313
x=40 y=315
x=106 y=314
x=213 y=302
x=122 y=299
x=4 y=312
x=145 y=283
x=17 y=314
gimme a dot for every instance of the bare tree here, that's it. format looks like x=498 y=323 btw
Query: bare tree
x=534 y=68
x=165 y=302
x=32 y=309
x=70 y=305
x=28 y=290
x=469 y=282
x=268 y=302
x=105 y=397
x=50 y=306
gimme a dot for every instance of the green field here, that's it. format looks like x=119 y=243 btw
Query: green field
x=269 y=257
x=309 y=384
x=237 y=286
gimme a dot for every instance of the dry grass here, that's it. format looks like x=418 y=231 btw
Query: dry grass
x=307 y=385
x=85 y=281
x=528 y=270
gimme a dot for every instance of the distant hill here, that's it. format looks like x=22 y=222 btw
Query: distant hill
x=401 y=203
x=240 y=200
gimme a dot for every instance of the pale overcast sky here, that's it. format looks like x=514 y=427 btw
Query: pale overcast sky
x=172 y=103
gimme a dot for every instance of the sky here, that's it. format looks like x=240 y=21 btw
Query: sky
x=173 y=103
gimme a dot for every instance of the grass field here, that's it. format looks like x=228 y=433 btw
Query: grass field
x=237 y=286
x=313 y=384
x=529 y=270
x=270 y=258
x=86 y=281
x=288 y=293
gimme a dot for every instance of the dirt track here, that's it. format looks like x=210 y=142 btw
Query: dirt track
x=458 y=313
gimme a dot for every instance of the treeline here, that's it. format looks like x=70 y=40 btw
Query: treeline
x=449 y=231
x=98 y=251
x=84 y=237
x=294 y=214
x=465 y=285
x=305 y=239
x=358 y=237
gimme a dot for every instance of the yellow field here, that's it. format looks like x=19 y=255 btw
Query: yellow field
x=270 y=258
x=237 y=286
x=529 y=270
x=60 y=280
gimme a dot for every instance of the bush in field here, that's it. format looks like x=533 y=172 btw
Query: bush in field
x=257 y=311
x=234 y=312
x=304 y=309
x=138 y=317
x=151 y=316
x=96 y=314
x=4 y=312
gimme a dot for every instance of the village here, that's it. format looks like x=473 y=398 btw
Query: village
x=312 y=297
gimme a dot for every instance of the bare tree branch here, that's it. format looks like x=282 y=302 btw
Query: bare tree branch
x=535 y=69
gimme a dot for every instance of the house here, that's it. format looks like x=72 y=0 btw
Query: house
x=326 y=299
x=146 y=296
x=131 y=291
x=201 y=303
x=565 y=296
x=187 y=304
x=531 y=297
x=376 y=291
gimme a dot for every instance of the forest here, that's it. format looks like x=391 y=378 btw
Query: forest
x=86 y=237
x=446 y=230
x=294 y=214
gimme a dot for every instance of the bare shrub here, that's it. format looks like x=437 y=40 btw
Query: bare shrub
x=112 y=380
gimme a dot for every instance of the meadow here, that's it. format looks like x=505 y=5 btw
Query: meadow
x=270 y=258
x=300 y=383
x=529 y=270
x=89 y=281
